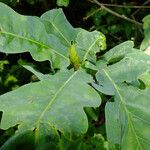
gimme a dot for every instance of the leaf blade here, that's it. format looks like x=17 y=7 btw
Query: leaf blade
x=39 y=103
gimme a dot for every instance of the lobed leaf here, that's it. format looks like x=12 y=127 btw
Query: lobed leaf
x=55 y=103
x=127 y=118
x=46 y=38
x=87 y=43
x=119 y=51
x=20 y=34
x=127 y=70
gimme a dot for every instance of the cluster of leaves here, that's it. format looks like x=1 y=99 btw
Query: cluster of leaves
x=53 y=113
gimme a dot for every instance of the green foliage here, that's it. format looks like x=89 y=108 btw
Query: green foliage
x=7 y=80
x=41 y=101
x=61 y=111
x=127 y=118
x=23 y=141
x=63 y=3
x=146 y=42
x=2 y=63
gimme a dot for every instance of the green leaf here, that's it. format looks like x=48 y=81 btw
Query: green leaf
x=145 y=77
x=56 y=103
x=46 y=38
x=2 y=64
x=119 y=51
x=6 y=134
x=113 y=55
x=127 y=118
x=56 y=23
x=20 y=34
x=38 y=74
x=24 y=141
x=132 y=122
x=112 y=122
x=146 y=41
x=126 y=70
x=87 y=43
x=63 y=3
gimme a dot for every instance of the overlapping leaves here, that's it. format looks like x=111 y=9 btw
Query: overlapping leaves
x=56 y=102
x=48 y=41
x=127 y=118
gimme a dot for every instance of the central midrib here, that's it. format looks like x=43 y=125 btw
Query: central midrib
x=121 y=99
x=49 y=105
x=84 y=58
x=33 y=41
x=69 y=43
x=54 y=97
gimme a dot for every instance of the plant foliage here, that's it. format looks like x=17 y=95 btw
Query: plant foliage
x=55 y=112
x=146 y=42
x=63 y=3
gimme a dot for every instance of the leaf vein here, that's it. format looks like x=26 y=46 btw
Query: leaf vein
x=33 y=41
x=54 y=97
x=121 y=99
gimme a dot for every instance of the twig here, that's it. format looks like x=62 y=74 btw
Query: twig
x=126 y=6
x=92 y=28
x=115 y=37
x=115 y=13
x=91 y=14
x=145 y=3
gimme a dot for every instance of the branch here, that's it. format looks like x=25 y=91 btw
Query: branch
x=145 y=3
x=126 y=6
x=92 y=13
x=115 y=13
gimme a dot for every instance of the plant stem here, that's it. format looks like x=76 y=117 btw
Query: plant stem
x=126 y=6
x=91 y=14
x=145 y=3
